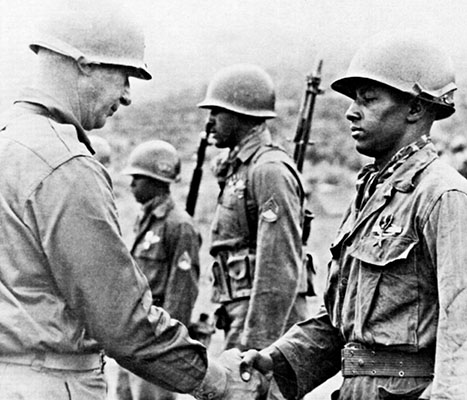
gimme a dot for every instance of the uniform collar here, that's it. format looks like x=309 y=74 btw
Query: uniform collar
x=159 y=206
x=256 y=138
x=404 y=177
x=31 y=98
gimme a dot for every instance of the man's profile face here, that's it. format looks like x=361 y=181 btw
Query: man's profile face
x=377 y=120
x=102 y=92
x=223 y=127
x=145 y=188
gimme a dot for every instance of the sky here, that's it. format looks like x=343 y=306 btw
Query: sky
x=187 y=41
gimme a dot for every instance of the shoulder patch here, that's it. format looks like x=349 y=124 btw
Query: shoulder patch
x=184 y=261
x=270 y=211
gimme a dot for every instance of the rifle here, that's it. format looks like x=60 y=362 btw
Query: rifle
x=302 y=140
x=302 y=135
x=198 y=171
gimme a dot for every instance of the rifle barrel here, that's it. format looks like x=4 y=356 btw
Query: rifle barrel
x=302 y=135
x=195 y=183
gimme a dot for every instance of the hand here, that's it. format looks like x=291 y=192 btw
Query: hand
x=257 y=385
x=253 y=359
x=223 y=382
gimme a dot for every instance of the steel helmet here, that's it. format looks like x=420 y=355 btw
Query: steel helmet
x=405 y=61
x=242 y=88
x=99 y=31
x=155 y=159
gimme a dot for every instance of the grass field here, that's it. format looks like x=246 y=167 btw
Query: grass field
x=327 y=202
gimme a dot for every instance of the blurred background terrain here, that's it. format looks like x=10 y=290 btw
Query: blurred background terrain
x=189 y=40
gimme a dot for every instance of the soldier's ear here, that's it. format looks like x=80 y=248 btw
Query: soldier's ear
x=416 y=110
x=84 y=66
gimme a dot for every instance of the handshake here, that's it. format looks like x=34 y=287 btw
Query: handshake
x=236 y=376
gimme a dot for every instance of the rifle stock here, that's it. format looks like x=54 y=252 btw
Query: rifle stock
x=302 y=136
x=195 y=183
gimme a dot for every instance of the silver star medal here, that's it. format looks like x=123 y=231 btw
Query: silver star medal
x=149 y=239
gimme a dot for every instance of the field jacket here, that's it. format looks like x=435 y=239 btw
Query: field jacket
x=68 y=284
x=397 y=279
x=166 y=248
x=256 y=238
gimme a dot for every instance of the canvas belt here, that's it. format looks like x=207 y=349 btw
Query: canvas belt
x=71 y=362
x=368 y=362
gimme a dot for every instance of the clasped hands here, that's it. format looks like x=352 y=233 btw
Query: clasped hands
x=248 y=374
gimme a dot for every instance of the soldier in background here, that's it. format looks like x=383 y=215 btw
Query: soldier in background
x=256 y=235
x=166 y=248
x=395 y=304
x=102 y=150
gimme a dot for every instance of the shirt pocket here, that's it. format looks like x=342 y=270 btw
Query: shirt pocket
x=150 y=247
x=230 y=218
x=386 y=296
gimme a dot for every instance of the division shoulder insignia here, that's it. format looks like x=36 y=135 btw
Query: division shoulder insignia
x=270 y=211
x=184 y=261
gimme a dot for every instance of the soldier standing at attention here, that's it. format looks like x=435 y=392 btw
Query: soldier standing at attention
x=256 y=239
x=69 y=288
x=166 y=248
x=395 y=304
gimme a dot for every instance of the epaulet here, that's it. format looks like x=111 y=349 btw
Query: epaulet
x=270 y=152
x=276 y=153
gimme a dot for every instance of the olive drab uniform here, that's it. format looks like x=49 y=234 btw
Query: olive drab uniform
x=75 y=259
x=259 y=272
x=166 y=248
x=389 y=262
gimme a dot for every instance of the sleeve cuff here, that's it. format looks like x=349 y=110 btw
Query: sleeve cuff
x=214 y=384
x=284 y=374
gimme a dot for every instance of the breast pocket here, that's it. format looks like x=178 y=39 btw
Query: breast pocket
x=150 y=247
x=387 y=293
x=229 y=219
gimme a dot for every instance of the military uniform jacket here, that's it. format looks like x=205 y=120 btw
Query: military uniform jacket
x=260 y=260
x=166 y=248
x=68 y=283
x=397 y=279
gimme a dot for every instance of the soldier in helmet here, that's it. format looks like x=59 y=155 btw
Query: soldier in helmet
x=395 y=304
x=166 y=247
x=259 y=271
x=69 y=288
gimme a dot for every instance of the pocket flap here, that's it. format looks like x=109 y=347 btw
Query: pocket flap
x=382 y=251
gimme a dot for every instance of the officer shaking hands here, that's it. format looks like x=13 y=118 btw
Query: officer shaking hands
x=256 y=237
x=69 y=288
x=395 y=304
